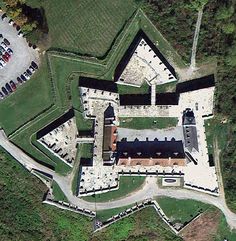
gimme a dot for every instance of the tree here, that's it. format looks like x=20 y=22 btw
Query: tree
x=231 y=57
x=228 y=28
x=196 y=4
x=224 y=12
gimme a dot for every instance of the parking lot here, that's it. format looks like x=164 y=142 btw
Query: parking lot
x=22 y=55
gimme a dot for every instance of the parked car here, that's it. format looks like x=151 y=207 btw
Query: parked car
x=1 y=66
x=20 y=34
x=31 y=69
x=10 y=51
x=1 y=36
x=19 y=80
x=8 y=87
x=23 y=77
x=28 y=72
x=5 y=92
x=2 y=62
x=1 y=95
x=6 y=41
x=34 y=65
x=7 y=55
x=11 y=22
x=13 y=85
x=4 y=16
x=2 y=49
x=26 y=75
x=5 y=58
x=4 y=45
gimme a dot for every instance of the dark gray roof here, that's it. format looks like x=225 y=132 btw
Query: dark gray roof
x=148 y=149
x=190 y=138
x=188 y=117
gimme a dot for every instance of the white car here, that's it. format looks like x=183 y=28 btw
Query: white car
x=26 y=75
x=31 y=69
x=11 y=22
x=20 y=34
x=4 y=45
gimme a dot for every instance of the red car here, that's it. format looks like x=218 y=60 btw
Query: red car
x=13 y=85
x=7 y=55
x=5 y=58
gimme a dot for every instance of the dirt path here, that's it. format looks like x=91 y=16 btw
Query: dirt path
x=218 y=169
x=195 y=40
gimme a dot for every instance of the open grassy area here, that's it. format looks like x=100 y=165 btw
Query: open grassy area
x=103 y=215
x=215 y=129
x=126 y=185
x=181 y=210
x=223 y=231
x=84 y=151
x=27 y=102
x=87 y=26
x=57 y=193
x=145 y=225
x=140 y=123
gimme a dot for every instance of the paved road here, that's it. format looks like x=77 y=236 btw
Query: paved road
x=149 y=189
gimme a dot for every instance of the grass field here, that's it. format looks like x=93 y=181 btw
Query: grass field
x=140 y=123
x=215 y=129
x=57 y=193
x=84 y=151
x=181 y=210
x=126 y=185
x=145 y=225
x=28 y=101
x=88 y=26
x=103 y=215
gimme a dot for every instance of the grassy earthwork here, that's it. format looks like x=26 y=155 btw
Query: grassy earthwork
x=181 y=211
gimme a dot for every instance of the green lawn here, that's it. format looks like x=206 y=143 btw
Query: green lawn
x=181 y=210
x=126 y=185
x=215 y=129
x=103 y=215
x=30 y=99
x=57 y=193
x=224 y=231
x=145 y=225
x=85 y=26
x=84 y=151
x=140 y=123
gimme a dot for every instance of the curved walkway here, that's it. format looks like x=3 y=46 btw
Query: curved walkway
x=149 y=189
